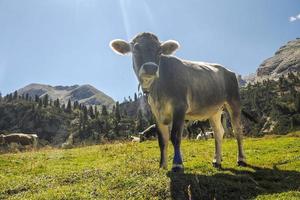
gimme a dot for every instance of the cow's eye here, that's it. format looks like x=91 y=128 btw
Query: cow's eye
x=136 y=47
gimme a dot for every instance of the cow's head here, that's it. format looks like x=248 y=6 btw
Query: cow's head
x=146 y=51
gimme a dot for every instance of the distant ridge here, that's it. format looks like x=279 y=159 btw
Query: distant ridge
x=85 y=94
x=285 y=60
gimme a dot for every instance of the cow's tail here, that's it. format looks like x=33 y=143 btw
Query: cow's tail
x=249 y=116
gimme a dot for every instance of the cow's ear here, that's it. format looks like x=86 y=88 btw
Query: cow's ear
x=169 y=47
x=120 y=46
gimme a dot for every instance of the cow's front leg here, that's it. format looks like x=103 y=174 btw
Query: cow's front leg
x=176 y=132
x=163 y=139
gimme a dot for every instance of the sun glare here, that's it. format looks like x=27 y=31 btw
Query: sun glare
x=132 y=17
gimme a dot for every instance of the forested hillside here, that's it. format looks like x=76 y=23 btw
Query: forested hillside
x=54 y=122
x=274 y=106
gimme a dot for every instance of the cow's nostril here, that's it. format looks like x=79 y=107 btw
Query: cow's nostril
x=150 y=68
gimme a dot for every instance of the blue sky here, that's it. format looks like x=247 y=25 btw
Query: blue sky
x=65 y=42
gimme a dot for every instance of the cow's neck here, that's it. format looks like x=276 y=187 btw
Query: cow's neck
x=147 y=90
x=154 y=89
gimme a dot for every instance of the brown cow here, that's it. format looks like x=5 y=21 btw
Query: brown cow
x=19 y=138
x=180 y=90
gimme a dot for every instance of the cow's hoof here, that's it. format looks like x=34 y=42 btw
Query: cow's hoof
x=163 y=167
x=242 y=164
x=178 y=168
x=217 y=165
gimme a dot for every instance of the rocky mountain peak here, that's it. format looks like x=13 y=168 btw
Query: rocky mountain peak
x=286 y=59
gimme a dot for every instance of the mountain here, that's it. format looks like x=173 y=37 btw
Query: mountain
x=249 y=78
x=85 y=94
x=285 y=60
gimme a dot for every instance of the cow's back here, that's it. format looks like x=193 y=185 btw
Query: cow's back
x=203 y=87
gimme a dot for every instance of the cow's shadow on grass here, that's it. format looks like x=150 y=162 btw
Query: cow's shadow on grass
x=233 y=184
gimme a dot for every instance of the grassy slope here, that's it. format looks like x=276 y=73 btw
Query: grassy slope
x=130 y=171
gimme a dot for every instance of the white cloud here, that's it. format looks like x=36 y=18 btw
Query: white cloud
x=294 y=18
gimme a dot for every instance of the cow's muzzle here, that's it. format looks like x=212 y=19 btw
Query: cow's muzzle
x=147 y=74
x=149 y=69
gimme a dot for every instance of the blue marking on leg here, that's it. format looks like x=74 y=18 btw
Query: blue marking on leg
x=177 y=160
x=177 y=156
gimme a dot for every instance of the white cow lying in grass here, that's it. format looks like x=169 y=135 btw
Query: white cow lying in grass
x=135 y=139
x=19 y=138
x=207 y=134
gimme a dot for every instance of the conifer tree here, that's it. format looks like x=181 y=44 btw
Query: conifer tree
x=113 y=110
x=10 y=97
x=96 y=112
x=15 y=97
x=40 y=103
x=85 y=116
x=27 y=97
x=135 y=97
x=117 y=112
x=81 y=121
x=69 y=106
x=56 y=103
x=104 y=111
x=91 y=112
x=75 y=105
x=36 y=98
x=45 y=100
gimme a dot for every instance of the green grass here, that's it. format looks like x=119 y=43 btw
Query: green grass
x=130 y=171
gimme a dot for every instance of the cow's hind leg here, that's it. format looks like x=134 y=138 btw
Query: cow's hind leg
x=215 y=122
x=234 y=109
x=176 y=133
x=163 y=139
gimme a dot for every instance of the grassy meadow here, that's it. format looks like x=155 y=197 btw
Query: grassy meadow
x=130 y=171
